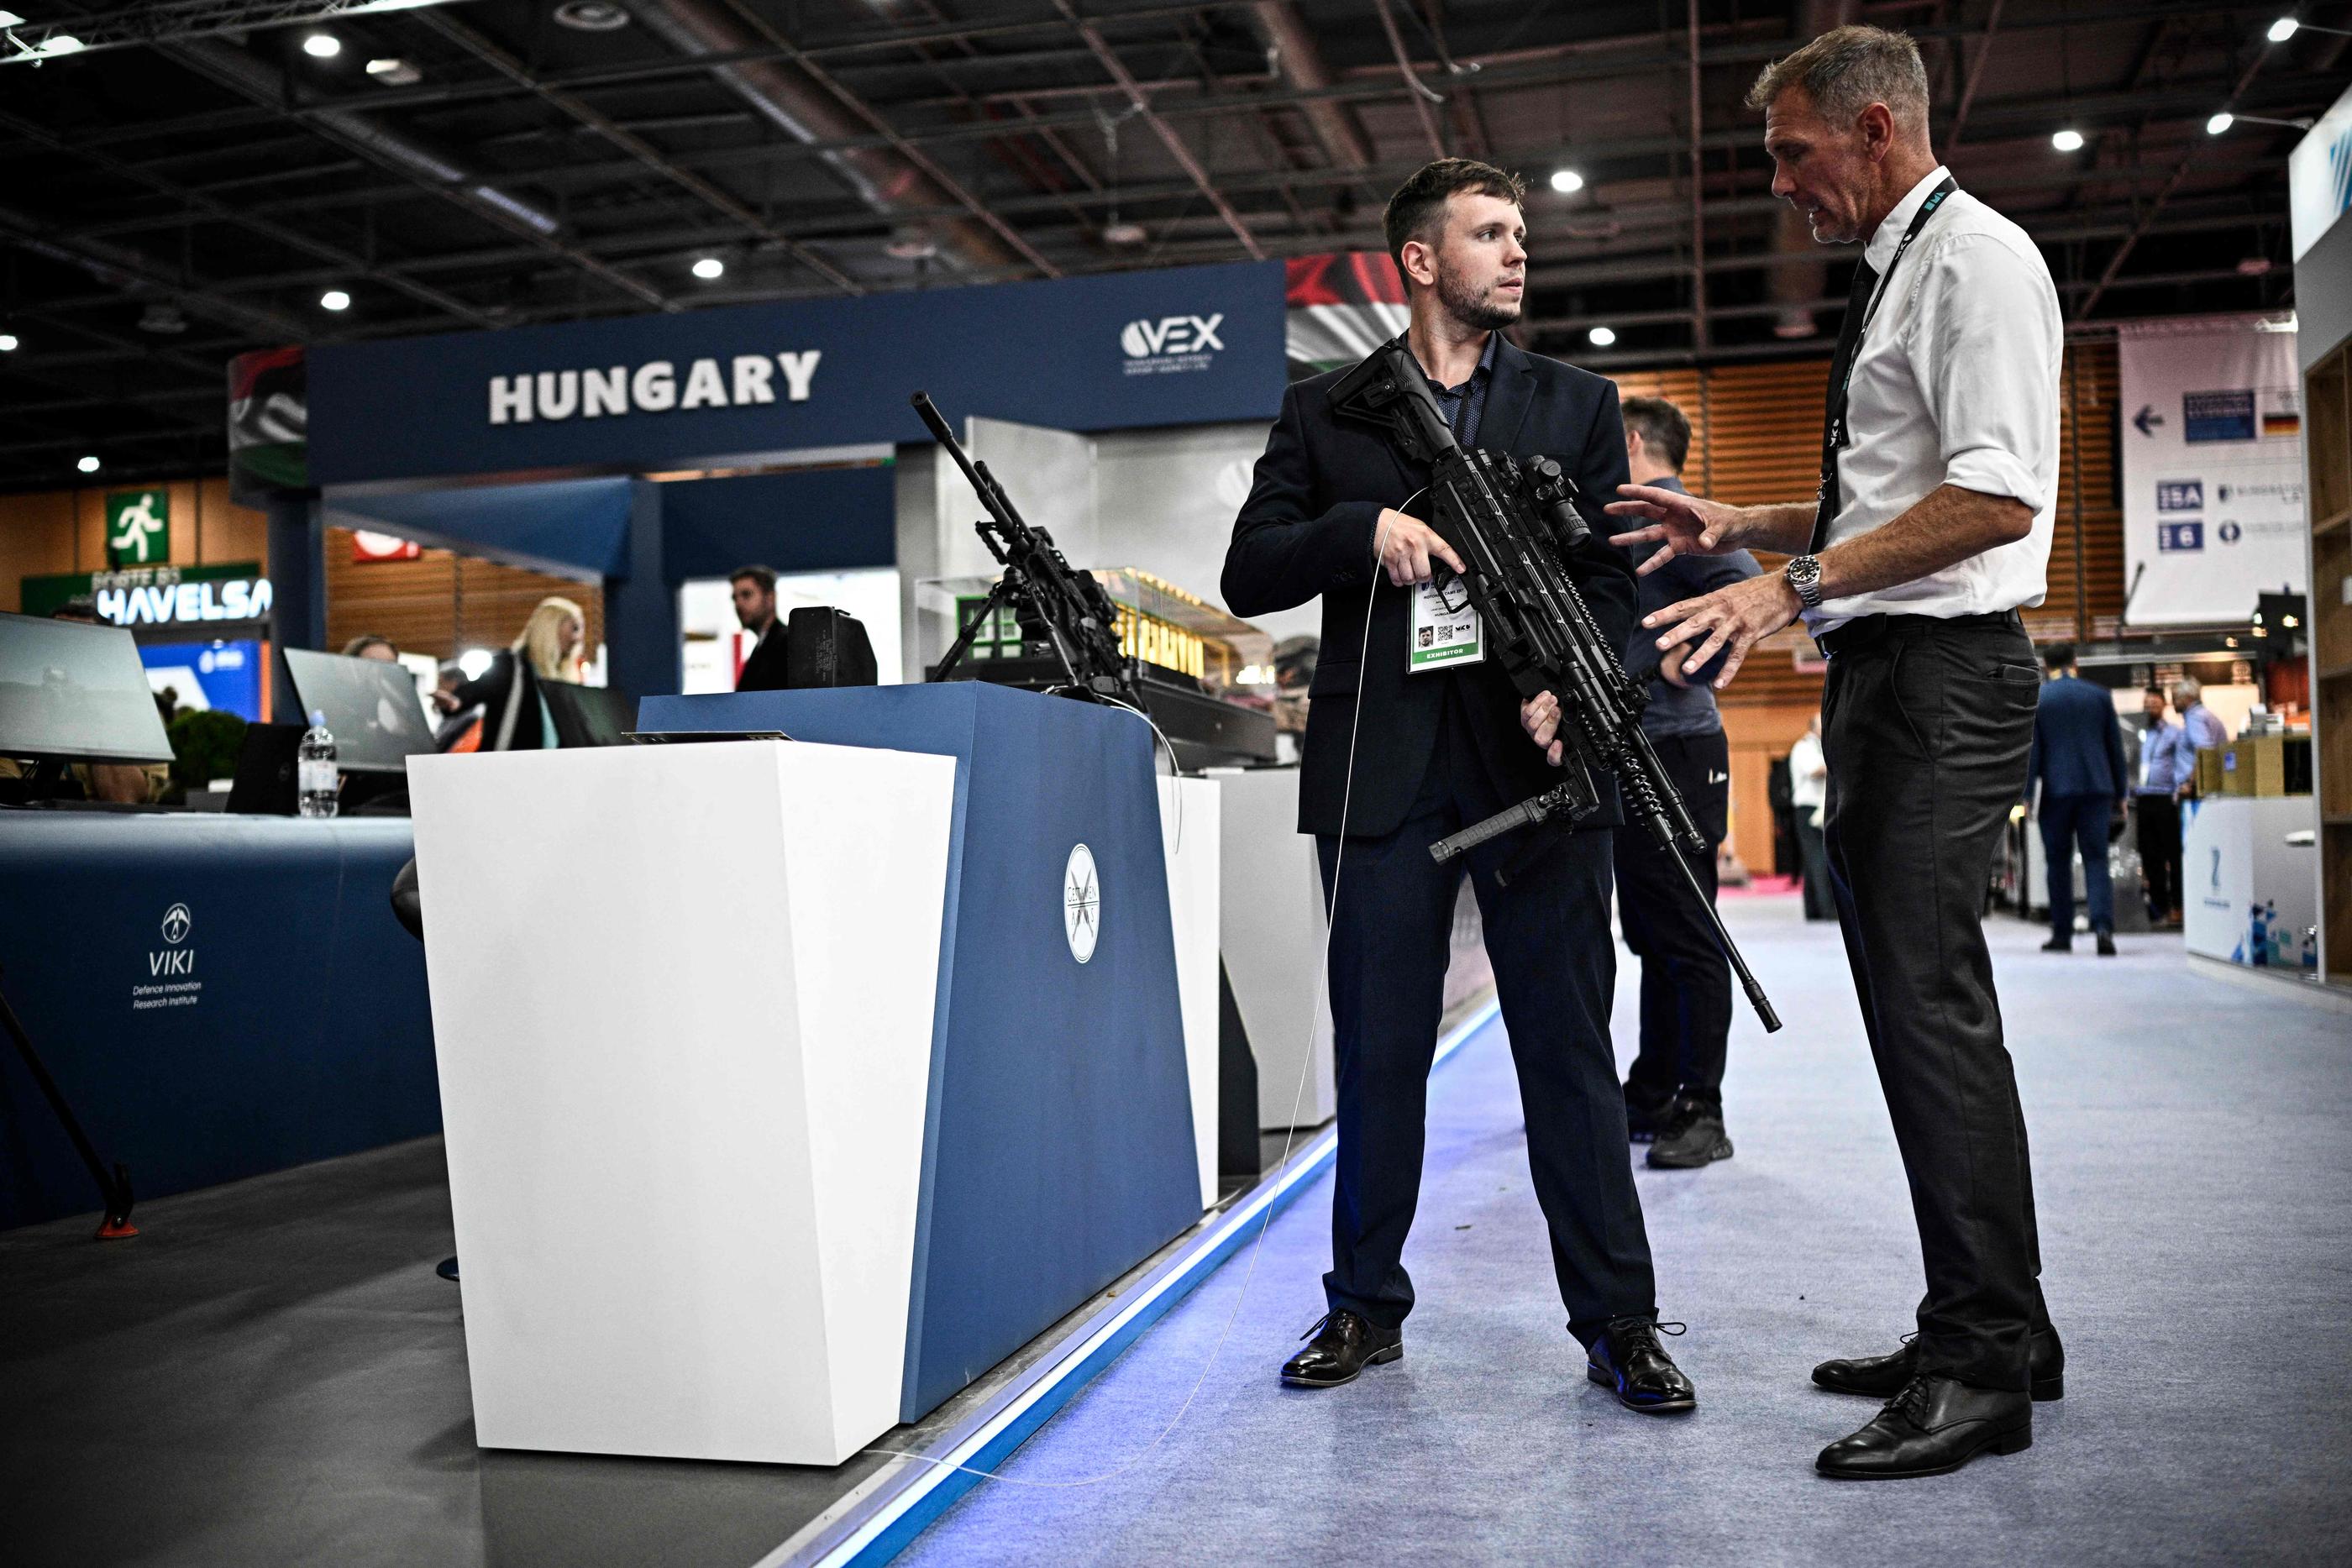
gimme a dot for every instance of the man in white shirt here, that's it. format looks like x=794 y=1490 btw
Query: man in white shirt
x=1932 y=528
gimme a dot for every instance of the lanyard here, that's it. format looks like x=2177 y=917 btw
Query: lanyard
x=1919 y=220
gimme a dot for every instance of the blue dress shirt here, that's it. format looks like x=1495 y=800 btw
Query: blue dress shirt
x=2166 y=758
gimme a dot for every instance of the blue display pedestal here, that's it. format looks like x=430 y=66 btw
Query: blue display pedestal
x=217 y=996
x=1057 y=1148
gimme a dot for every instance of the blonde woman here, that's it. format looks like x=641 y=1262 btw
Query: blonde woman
x=513 y=716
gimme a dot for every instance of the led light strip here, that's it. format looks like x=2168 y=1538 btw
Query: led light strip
x=906 y=1512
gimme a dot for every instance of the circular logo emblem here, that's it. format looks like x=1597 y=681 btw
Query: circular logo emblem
x=1133 y=342
x=1081 y=903
x=2231 y=532
x=176 y=921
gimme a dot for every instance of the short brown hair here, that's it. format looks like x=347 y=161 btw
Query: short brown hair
x=1847 y=69
x=1663 y=428
x=765 y=576
x=1421 y=200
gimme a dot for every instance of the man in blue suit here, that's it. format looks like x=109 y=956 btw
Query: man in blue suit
x=1397 y=756
x=2078 y=762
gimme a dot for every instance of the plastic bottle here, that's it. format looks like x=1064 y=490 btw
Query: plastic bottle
x=316 y=780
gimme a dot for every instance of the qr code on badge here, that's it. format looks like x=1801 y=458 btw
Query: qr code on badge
x=1445 y=633
x=1425 y=633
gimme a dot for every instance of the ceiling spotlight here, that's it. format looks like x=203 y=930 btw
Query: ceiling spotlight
x=1567 y=181
x=394 y=72
x=161 y=319
x=2068 y=140
x=590 y=15
x=58 y=44
x=709 y=267
x=87 y=464
x=2219 y=122
x=322 y=46
x=335 y=299
x=1601 y=337
x=1124 y=234
x=2283 y=29
x=10 y=19
x=913 y=243
x=2253 y=266
x=7 y=342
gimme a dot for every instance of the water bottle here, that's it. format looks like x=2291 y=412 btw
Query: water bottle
x=316 y=778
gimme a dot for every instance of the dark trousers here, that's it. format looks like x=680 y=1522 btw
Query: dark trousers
x=1927 y=726
x=1555 y=970
x=1685 y=979
x=2159 y=853
x=1812 y=843
x=2069 y=823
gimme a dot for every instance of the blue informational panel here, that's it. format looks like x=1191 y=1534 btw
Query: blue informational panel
x=217 y=996
x=222 y=675
x=631 y=394
x=1058 y=1146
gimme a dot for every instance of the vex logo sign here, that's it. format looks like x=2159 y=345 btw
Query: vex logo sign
x=1170 y=343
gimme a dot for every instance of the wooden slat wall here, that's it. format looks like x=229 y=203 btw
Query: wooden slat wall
x=56 y=531
x=441 y=603
x=1756 y=432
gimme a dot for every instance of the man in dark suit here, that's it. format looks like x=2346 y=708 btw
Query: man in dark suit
x=755 y=606
x=2078 y=761
x=1395 y=760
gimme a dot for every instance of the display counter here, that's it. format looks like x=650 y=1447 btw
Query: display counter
x=217 y=996
x=2250 y=887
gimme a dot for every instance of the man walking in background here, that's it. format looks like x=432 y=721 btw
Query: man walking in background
x=1931 y=529
x=2166 y=763
x=753 y=589
x=2078 y=762
x=1674 y=1095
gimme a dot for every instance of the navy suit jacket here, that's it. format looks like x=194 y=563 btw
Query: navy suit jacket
x=2078 y=746
x=1308 y=528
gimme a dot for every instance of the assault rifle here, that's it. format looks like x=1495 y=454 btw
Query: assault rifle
x=1514 y=524
x=1066 y=609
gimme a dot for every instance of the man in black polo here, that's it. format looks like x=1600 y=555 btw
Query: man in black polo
x=1674 y=1092
x=1402 y=748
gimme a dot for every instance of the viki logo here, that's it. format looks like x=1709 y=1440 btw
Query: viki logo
x=138 y=527
x=173 y=958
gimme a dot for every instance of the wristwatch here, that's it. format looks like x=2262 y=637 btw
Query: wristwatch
x=1804 y=575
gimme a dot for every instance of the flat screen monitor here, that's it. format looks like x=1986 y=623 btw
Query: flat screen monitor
x=371 y=707
x=72 y=692
x=588 y=716
x=224 y=676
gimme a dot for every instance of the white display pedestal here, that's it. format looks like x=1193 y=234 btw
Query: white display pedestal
x=1189 y=832
x=1274 y=946
x=684 y=1156
x=2234 y=856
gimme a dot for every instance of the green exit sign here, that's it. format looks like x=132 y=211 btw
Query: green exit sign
x=138 y=527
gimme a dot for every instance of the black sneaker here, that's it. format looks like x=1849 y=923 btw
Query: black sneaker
x=1645 y=1118
x=1693 y=1138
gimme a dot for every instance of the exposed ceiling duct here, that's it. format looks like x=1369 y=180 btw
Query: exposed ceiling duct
x=789 y=98
x=1301 y=65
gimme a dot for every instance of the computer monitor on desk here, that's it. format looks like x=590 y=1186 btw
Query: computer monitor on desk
x=588 y=716
x=372 y=708
x=73 y=692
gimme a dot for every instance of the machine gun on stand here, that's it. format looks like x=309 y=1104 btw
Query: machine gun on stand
x=1514 y=524
x=1066 y=610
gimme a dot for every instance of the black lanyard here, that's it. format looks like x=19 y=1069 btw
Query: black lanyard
x=1834 y=435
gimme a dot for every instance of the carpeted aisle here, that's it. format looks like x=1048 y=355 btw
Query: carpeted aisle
x=2193 y=1156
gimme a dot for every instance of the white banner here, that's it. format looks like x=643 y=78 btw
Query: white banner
x=2319 y=176
x=2212 y=470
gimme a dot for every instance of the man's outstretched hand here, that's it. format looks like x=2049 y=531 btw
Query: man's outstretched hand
x=1736 y=618
x=1678 y=524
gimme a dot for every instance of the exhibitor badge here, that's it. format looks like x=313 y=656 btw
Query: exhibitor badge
x=1445 y=630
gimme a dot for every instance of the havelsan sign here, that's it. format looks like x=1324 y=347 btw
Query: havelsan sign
x=1191 y=346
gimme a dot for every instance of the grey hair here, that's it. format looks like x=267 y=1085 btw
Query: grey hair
x=1847 y=69
x=2187 y=686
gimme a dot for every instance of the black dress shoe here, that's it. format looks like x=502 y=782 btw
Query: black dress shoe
x=1936 y=1425
x=1694 y=1137
x=2106 y=944
x=2059 y=945
x=1882 y=1376
x=1344 y=1344
x=1628 y=1359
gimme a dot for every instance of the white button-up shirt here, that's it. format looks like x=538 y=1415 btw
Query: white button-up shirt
x=1956 y=383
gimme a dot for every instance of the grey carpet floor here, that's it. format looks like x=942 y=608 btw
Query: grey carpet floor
x=2192 y=1150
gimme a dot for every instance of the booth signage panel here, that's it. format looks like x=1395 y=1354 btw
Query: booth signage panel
x=1191 y=346
x=2319 y=176
x=2212 y=470
x=157 y=596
